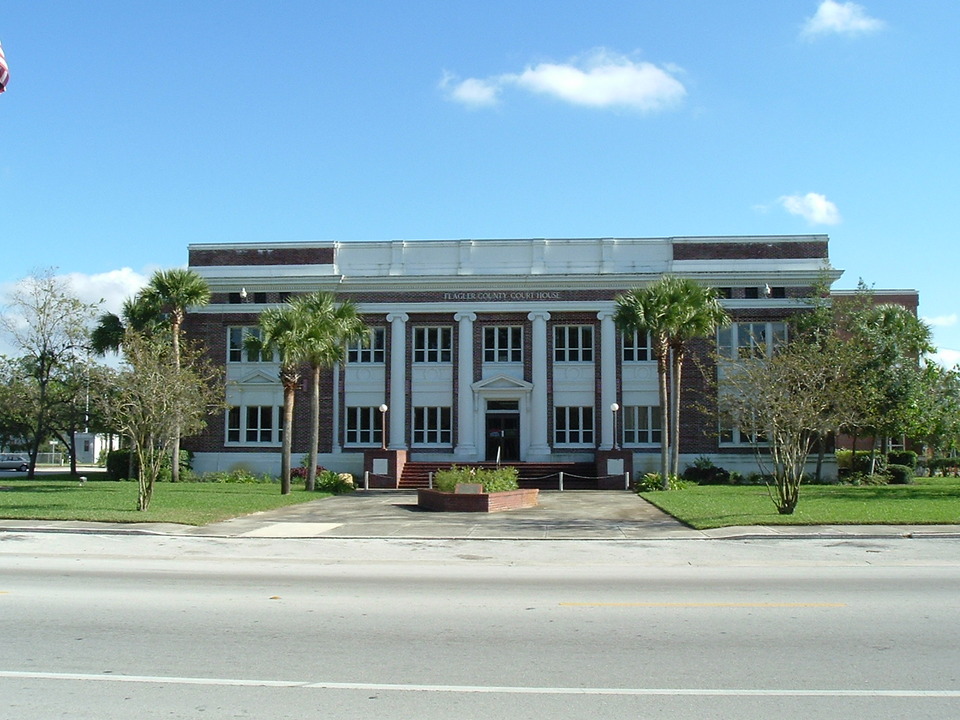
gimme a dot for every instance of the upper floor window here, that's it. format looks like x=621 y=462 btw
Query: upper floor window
x=503 y=344
x=573 y=343
x=237 y=350
x=750 y=339
x=637 y=347
x=371 y=352
x=432 y=345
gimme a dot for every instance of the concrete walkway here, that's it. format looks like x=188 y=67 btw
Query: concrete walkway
x=571 y=515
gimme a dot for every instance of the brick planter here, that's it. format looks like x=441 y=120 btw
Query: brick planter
x=477 y=502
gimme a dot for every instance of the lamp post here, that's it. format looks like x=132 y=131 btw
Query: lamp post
x=614 y=408
x=383 y=426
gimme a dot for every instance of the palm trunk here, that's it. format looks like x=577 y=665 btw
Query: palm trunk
x=314 y=429
x=175 y=450
x=675 y=410
x=662 y=362
x=288 y=392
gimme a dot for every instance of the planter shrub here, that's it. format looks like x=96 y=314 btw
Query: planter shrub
x=493 y=480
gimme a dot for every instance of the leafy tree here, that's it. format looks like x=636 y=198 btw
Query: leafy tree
x=154 y=400
x=673 y=311
x=48 y=327
x=786 y=402
x=16 y=403
x=892 y=340
x=941 y=408
x=173 y=292
x=328 y=327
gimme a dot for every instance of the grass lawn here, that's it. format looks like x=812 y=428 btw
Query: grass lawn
x=59 y=497
x=927 y=501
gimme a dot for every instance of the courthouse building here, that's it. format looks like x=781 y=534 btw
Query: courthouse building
x=486 y=350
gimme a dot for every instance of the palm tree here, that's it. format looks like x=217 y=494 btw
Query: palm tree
x=644 y=310
x=282 y=332
x=696 y=312
x=328 y=327
x=173 y=291
x=673 y=311
x=138 y=314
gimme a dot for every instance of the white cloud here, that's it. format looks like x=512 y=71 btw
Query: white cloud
x=471 y=92
x=840 y=18
x=111 y=288
x=601 y=79
x=813 y=207
x=941 y=320
x=946 y=358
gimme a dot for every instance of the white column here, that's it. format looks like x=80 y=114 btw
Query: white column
x=538 y=396
x=398 y=379
x=465 y=409
x=608 y=376
x=337 y=410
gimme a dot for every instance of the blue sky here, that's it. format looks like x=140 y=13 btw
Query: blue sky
x=130 y=129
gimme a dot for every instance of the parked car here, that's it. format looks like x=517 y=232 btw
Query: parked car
x=14 y=462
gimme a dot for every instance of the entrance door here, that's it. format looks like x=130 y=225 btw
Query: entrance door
x=503 y=431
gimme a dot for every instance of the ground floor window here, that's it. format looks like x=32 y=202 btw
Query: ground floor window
x=255 y=425
x=641 y=425
x=731 y=435
x=573 y=426
x=364 y=426
x=432 y=426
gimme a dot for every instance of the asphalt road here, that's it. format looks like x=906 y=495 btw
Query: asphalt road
x=187 y=627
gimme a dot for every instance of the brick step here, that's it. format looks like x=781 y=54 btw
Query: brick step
x=530 y=475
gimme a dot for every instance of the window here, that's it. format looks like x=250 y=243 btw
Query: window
x=255 y=424
x=573 y=343
x=364 y=426
x=432 y=345
x=432 y=426
x=370 y=353
x=637 y=347
x=641 y=425
x=751 y=293
x=237 y=350
x=573 y=426
x=746 y=340
x=736 y=436
x=503 y=344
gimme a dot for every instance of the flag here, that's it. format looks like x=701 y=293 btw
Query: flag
x=4 y=71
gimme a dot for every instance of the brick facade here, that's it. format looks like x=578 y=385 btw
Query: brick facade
x=500 y=283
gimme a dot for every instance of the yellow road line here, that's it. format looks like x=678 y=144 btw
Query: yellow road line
x=703 y=605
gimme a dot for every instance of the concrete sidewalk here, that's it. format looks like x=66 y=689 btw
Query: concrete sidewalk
x=571 y=515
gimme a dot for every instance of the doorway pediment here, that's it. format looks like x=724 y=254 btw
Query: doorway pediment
x=501 y=383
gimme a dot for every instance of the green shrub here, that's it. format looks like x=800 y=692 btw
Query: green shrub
x=493 y=480
x=861 y=478
x=902 y=457
x=334 y=482
x=847 y=462
x=704 y=472
x=240 y=476
x=654 y=481
x=118 y=464
x=944 y=466
x=900 y=474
